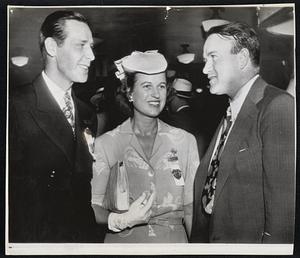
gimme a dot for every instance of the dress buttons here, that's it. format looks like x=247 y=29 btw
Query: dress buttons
x=150 y=172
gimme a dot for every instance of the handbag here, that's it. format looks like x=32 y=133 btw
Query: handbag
x=116 y=198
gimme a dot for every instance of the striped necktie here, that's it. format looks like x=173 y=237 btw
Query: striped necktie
x=68 y=110
x=208 y=193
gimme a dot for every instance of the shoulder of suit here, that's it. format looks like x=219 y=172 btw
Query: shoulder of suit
x=23 y=95
x=272 y=92
x=275 y=99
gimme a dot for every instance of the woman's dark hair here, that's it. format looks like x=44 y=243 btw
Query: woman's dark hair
x=54 y=26
x=243 y=36
x=121 y=99
x=130 y=79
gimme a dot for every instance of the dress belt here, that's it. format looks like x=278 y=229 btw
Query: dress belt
x=165 y=221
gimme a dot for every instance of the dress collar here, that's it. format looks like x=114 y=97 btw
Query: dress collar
x=126 y=126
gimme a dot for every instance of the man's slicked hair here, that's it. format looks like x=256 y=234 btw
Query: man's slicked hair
x=243 y=37
x=54 y=26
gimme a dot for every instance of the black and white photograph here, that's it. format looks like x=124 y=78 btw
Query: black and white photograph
x=151 y=130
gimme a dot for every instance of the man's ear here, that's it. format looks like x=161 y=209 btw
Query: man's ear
x=244 y=58
x=50 y=46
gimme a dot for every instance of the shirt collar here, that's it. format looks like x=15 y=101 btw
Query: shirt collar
x=240 y=97
x=57 y=92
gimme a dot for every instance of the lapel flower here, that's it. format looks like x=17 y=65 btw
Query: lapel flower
x=89 y=140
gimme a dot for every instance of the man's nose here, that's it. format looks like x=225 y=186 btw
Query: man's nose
x=90 y=54
x=206 y=67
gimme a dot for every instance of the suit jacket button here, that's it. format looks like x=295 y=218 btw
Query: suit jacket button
x=52 y=173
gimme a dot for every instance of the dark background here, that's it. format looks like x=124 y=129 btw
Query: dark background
x=119 y=31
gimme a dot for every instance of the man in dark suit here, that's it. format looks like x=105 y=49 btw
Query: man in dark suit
x=244 y=188
x=50 y=166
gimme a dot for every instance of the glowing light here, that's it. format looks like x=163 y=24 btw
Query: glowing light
x=284 y=28
x=207 y=24
x=20 y=60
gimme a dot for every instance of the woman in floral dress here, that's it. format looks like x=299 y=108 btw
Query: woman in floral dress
x=155 y=163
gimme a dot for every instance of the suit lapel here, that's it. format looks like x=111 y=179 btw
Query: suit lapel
x=202 y=170
x=51 y=120
x=83 y=160
x=240 y=130
x=207 y=157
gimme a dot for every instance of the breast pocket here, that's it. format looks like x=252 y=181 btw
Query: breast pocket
x=249 y=159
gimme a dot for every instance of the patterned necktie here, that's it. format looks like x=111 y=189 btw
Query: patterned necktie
x=208 y=193
x=68 y=110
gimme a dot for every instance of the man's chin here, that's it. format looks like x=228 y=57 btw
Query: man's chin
x=215 y=89
x=81 y=80
x=212 y=89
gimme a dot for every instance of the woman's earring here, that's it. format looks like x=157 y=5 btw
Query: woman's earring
x=130 y=98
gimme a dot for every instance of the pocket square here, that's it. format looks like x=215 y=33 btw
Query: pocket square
x=241 y=150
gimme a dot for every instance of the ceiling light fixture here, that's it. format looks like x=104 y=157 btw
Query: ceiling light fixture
x=280 y=22
x=214 y=20
x=19 y=57
x=20 y=60
x=186 y=57
x=284 y=28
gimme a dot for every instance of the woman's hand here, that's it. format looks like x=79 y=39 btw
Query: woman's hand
x=139 y=213
x=140 y=210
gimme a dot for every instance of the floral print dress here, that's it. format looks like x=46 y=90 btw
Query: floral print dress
x=171 y=169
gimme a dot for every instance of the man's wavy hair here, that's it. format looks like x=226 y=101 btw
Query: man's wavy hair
x=54 y=26
x=243 y=37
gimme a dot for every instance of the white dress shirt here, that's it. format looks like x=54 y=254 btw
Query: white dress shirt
x=58 y=93
x=235 y=105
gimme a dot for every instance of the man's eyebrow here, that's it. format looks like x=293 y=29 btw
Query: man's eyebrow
x=211 y=52
x=81 y=40
x=146 y=82
x=85 y=41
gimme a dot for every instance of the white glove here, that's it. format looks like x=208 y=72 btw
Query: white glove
x=139 y=213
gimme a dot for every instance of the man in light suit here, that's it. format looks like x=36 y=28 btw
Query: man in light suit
x=250 y=196
x=50 y=166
